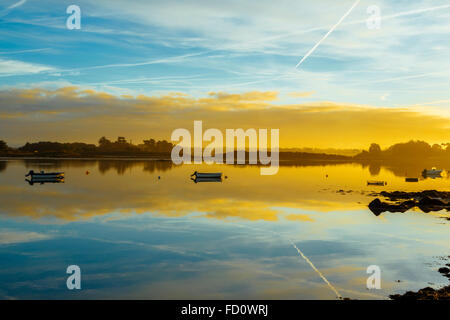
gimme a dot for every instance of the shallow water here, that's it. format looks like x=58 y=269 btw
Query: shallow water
x=136 y=236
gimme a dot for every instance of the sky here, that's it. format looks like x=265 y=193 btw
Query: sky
x=140 y=69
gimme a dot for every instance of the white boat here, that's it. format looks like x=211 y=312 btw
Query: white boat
x=431 y=173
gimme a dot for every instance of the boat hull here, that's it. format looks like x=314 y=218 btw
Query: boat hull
x=432 y=173
x=376 y=183
x=48 y=176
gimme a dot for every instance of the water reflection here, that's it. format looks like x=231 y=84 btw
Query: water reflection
x=3 y=165
x=140 y=236
x=133 y=186
x=42 y=181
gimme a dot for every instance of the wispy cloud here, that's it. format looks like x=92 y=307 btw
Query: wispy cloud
x=303 y=94
x=16 y=67
x=24 y=51
x=14 y=237
x=11 y=7
x=17 y=4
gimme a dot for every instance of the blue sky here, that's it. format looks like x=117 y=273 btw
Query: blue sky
x=141 y=50
x=195 y=47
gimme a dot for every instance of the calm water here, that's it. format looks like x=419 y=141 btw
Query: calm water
x=136 y=236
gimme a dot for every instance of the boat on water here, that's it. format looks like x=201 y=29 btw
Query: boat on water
x=431 y=173
x=45 y=176
x=411 y=179
x=210 y=175
x=376 y=183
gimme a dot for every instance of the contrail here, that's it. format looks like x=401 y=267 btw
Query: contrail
x=338 y=295
x=17 y=4
x=316 y=270
x=327 y=34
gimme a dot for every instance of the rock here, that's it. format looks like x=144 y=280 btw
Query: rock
x=378 y=207
x=444 y=270
x=424 y=294
x=428 y=200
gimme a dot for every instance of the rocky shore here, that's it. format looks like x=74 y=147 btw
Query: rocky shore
x=424 y=294
x=428 y=293
x=400 y=201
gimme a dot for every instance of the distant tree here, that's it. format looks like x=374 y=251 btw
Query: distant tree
x=103 y=142
x=447 y=147
x=375 y=148
x=150 y=144
x=121 y=140
x=436 y=148
x=411 y=150
x=3 y=145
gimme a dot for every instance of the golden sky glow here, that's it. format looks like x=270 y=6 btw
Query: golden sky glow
x=73 y=114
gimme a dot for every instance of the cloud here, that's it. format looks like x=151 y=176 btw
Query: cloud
x=15 y=67
x=17 y=4
x=73 y=113
x=14 y=237
x=302 y=94
x=11 y=7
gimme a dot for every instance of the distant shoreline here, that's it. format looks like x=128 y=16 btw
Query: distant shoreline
x=19 y=157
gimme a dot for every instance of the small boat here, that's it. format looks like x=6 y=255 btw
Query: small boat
x=197 y=175
x=43 y=175
x=376 y=183
x=431 y=173
x=411 y=179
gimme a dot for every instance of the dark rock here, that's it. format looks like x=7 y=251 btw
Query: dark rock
x=444 y=270
x=428 y=200
x=424 y=294
x=378 y=207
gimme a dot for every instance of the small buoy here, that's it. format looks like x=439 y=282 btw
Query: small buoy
x=326 y=176
x=159 y=178
x=87 y=172
x=226 y=177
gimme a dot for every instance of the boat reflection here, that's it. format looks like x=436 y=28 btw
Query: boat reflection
x=216 y=179
x=44 y=180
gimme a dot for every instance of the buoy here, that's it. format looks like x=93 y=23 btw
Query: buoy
x=159 y=178
x=87 y=172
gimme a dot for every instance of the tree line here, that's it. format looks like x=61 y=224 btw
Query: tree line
x=404 y=151
x=105 y=147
